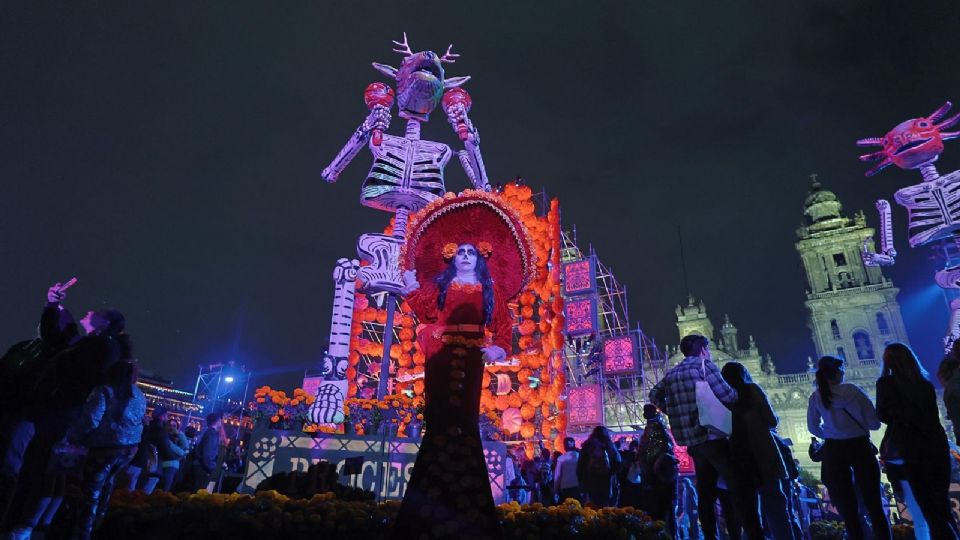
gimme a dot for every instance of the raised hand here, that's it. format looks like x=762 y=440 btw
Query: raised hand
x=876 y=259
x=379 y=118
x=58 y=291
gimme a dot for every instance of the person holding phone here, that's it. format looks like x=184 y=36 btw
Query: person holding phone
x=61 y=391
x=22 y=365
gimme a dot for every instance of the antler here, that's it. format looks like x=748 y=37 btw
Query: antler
x=405 y=47
x=940 y=113
x=449 y=56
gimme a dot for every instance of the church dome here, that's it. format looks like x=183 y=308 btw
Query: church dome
x=821 y=204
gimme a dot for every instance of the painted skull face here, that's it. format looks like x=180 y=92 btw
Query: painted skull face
x=419 y=85
x=420 y=80
x=466 y=258
x=913 y=143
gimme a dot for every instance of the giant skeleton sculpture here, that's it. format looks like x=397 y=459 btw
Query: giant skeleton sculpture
x=933 y=206
x=407 y=174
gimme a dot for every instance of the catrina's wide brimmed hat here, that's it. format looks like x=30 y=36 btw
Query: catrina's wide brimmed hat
x=481 y=219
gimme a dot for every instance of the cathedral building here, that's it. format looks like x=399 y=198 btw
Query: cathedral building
x=852 y=313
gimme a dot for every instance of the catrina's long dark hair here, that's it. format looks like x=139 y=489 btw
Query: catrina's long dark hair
x=483 y=276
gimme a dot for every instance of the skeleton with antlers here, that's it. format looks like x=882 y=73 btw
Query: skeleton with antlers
x=933 y=206
x=407 y=172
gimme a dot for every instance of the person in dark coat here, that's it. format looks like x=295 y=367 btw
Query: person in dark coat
x=157 y=435
x=630 y=492
x=949 y=375
x=22 y=366
x=206 y=453
x=915 y=446
x=62 y=391
x=597 y=466
x=760 y=462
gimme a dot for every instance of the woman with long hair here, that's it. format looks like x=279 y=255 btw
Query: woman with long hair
x=660 y=469
x=473 y=255
x=110 y=426
x=755 y=450
x=915 y=448
x=843 y=414
x=597 y=466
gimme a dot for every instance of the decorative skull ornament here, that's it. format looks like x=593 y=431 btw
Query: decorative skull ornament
x=420 y=79
x=912 y=144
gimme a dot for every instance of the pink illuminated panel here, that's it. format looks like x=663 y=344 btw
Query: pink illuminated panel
x=620 y=355
x=579 y=277
x=585 y=405
x=580 y=316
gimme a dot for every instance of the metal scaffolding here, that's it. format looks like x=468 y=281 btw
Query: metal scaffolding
x=624 y=395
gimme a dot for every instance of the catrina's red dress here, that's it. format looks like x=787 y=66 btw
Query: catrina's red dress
x=449 y=495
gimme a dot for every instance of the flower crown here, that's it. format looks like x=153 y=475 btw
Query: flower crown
x=450 y=250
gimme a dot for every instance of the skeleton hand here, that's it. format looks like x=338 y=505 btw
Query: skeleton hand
x=379 y=118
x=876 y=259
x=457 y=116
x=410 y=282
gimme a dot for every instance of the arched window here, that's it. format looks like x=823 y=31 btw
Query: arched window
x=882 y=324
x=835 y=328
x=861 y=340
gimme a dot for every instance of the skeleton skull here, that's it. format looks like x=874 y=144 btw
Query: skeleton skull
x=912 y=144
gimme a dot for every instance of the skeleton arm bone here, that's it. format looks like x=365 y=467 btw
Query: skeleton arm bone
x=379 y=118
x=887 y=254
x=470 y=157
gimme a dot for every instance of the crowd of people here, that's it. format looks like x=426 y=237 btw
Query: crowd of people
x=70 y=396
x=71 y=411
x=730 y=430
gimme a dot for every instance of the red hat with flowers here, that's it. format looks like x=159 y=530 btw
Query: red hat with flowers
x=481 y=219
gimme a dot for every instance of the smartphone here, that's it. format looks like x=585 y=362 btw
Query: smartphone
x=68 y=284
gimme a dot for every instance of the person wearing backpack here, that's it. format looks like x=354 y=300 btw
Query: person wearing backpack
x=110 y=426
x=597 y=467
x=660 y=470
x=676 y=395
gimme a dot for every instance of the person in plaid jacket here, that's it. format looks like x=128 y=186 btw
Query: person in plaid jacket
x=676 y=395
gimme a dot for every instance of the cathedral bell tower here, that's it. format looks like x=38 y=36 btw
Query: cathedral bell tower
x=852 y=308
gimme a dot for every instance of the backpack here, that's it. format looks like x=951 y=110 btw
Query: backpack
x=598 y=462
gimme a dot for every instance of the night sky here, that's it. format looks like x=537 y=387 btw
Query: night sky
x=169 y=153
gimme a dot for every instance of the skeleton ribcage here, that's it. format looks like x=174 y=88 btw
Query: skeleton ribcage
x=933 y=207
x=405 y=173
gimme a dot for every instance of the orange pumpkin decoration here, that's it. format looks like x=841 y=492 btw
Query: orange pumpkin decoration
x=418 y=387
x=546 y=429
x=527 y=312
x=527 y=430
x=503 y=403
x=514 y=400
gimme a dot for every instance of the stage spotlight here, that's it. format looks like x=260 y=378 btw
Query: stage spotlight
x=228 y=379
